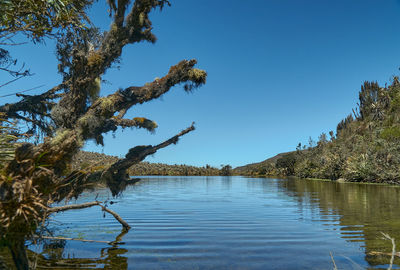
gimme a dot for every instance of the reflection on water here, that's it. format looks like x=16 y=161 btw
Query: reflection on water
x=232 y=223
x=364 y=211
x=53 y=256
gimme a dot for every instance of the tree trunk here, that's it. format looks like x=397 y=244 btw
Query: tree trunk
x=18 y=253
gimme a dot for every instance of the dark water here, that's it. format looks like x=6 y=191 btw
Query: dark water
x=233 y=223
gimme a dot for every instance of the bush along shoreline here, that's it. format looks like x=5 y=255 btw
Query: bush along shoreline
x=365 y=147
x=97 y=161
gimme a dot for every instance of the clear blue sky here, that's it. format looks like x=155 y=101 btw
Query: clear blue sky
x=279 y=71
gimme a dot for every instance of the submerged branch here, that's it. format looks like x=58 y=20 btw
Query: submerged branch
x=393 y=249
x=72 y=239
x=124 y=224
x=117 y=217
x=72 y=206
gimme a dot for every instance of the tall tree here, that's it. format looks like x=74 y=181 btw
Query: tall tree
x=70 y=114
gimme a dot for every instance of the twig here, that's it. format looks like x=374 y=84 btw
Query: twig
x=117 y=217
x=118 y=239
x=90 y=204
x=23 y=91
x=376 y=253
x=333 y=261
x=73 y=239
x=353 y=262
x=11 y=81
x=393 y=249
x=72 y=206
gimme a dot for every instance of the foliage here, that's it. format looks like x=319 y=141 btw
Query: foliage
x=287 y=163
x=39 y=18
x=226 y=170
x=96 y=161
x=391 y=133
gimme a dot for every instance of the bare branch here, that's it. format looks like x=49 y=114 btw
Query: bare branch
x=393 y=249
x=11 y=81
x=22 y=91
x=32 y=104
x=46 y=128
x=17 y=73
x=86 y=205
x=116 y=176
x=72 y=206
x=333 y=261
x=117 y=217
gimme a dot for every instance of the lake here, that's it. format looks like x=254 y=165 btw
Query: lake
x=232 y=223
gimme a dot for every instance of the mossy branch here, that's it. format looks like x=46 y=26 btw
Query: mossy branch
x=138 y=122
x=100 y=116
x=116 y=175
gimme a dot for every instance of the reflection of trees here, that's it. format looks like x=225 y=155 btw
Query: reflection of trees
x=363 y=211
x=226 y=182
x=52 y=256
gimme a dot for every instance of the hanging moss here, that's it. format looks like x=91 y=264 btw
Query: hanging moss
x=60 y=136
x=145 y=123
x=107 y=105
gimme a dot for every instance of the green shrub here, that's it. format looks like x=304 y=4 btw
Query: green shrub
x=304 y=169
x=395 y=103
x=360 y=168
x=391 y=133
x=287 y=163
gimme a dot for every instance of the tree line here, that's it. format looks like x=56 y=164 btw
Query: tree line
x=365 y=147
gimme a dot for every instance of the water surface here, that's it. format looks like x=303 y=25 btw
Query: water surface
x=232 y=223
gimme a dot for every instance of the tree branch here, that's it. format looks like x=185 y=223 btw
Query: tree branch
x=93 y=122
x=32 y=104
x=45 y=127
x=117 y=217
x=72 y=239
x=88 y=65
x=135 y=28
x=138 y=122
x=86 y=205
x=116 y=176
x=71 y=206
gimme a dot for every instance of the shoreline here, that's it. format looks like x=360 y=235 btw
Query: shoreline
x=340 y=180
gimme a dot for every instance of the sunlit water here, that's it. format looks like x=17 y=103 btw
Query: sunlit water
x=233 y=223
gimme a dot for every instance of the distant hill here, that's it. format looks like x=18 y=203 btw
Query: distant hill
x=96 y=160
x=85 y=159
x=254 y=168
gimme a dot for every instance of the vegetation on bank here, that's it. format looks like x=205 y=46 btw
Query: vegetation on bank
x=366 y=146
x=96 y=161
